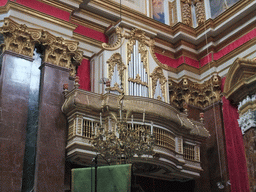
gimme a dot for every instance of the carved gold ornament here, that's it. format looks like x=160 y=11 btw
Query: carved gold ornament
x=115 y=88
x=118 y=42
x=158 y=75
x=200 y=95
x=19 y=38
x=200 y=12
x=186 y=12
x=114 y=60
x=139 y=35
x=137 y=80
x=58 y=51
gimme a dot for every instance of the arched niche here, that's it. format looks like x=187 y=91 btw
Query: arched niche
x=240 y=80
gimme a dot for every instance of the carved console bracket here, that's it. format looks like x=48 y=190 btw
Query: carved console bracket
x=200 y=95
x=118 y=42
x=58 y=51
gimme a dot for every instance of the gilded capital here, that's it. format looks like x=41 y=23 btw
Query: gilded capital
x=19 y=38
x=200 y=95
x=58 y=51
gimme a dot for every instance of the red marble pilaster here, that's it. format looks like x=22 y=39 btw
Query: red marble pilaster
x=51 y=142
x=15 y=82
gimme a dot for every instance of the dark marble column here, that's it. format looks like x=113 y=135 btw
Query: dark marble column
x=51 y=141
x=15 y=83
x=213 y=149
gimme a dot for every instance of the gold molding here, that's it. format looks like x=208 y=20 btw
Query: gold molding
x=240 y=80
x=58 y=4
x=88 y=40
x=41 y=15
x=171 y=10
x=200 y=95
x=88 y=24
x=21 y=39
x=115 y=88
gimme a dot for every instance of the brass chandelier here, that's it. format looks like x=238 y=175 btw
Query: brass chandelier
x=125 y=141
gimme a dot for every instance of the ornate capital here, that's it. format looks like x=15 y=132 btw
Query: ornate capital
x=61 y=52
x=200 y=95
x=58 y=51
x=19 y=38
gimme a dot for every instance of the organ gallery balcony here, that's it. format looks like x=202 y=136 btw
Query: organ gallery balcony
x=177 y=139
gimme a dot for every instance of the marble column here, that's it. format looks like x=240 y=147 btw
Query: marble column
x=247 y=123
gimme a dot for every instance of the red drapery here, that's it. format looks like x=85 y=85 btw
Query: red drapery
x=83 y=72
x=235 y=148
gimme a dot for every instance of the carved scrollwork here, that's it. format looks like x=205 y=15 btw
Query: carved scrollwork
x=156 y=75
x=118 y=42
x=116 y=59
x=200 y=95
x=58 y=51
x=138 y=80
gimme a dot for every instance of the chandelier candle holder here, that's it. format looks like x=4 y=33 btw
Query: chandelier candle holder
x=123 y=141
